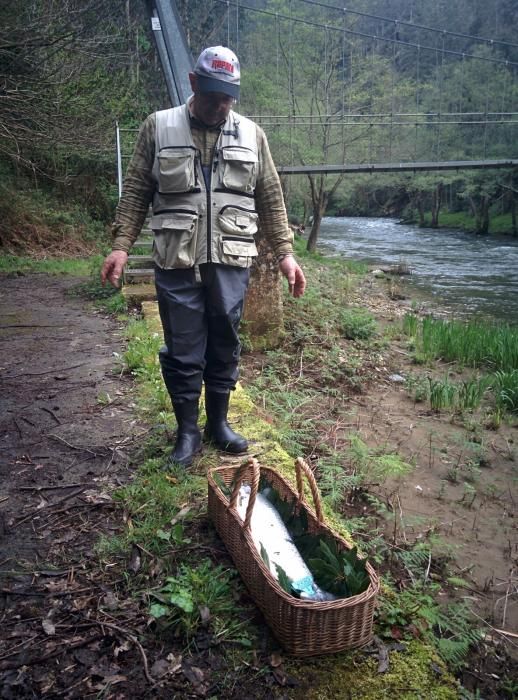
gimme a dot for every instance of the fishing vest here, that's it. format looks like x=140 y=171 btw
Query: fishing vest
x=195 y=223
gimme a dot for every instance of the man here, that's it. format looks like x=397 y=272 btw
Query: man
x=209 y=175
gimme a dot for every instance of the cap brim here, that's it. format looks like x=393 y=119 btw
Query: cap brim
x=212 y=85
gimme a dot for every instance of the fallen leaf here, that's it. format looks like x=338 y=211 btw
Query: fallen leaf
x=105 y=669
x=275 y=660
x=124 y=646
x=283 y=678
x=86 y=657
x=96 y=497
x=110 y=601
x=160 y=668
x=48 y=626
x=195 y=676
x=175 y=662
x=204 y=614
x=135 y=561
x=383 y=656
x=180 y=515
x=42 y=503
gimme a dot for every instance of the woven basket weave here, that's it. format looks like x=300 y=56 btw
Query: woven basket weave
x=303 y=628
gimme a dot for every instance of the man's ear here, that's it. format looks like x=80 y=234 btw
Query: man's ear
x=193 y=81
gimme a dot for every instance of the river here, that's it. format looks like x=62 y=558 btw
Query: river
x=475 y=274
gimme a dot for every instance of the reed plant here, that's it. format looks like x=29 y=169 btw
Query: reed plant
x=473 y=343
x=506 y=390
x=410 y=325
x=445 y=394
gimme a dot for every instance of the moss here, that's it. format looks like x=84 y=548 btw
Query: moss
x=413 y=674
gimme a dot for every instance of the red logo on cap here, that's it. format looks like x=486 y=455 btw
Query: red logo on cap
x=218 y=64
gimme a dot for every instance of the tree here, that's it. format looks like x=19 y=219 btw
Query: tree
x=67 y=70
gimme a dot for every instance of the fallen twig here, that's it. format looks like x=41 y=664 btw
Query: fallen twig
x=50 y=488
x=48 y=371
x=51 y=505
x=74 y=447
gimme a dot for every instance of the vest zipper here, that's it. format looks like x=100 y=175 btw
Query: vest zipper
x=211 y=170
x=245 y=239
x=175 y=211
x=239 y=192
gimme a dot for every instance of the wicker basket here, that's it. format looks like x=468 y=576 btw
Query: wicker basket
x=303 y=628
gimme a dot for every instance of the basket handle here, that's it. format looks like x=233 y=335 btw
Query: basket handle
x=302 y=468
x=254 y=486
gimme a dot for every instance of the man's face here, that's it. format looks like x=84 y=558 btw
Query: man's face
x=210 y=107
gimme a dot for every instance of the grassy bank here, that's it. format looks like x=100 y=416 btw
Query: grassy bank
x=500 y=224
x=343 y=339
x=299 y=400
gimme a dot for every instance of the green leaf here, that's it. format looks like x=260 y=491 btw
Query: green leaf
x=156 y=610
x=285 y=581
x=264 y=555
x=183 y=600
x=162 y=535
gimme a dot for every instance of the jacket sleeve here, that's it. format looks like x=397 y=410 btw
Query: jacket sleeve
x=269 y=200
x=138 y=188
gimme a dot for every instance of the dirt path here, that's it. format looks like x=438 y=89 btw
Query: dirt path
x=65 y=422
x=66 y=432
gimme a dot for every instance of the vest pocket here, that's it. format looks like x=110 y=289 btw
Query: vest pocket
x=174 y=244
x=237 y=251
x=176 y=170
x=239 y=169
x=238 y=221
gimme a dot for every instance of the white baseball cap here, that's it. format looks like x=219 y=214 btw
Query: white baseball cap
x=218 y=70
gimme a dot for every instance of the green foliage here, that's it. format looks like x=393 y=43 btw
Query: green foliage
x=506 y=390
x=195 y=596
x=442 y=393
x=373 y=466
x=414 y=612
x=357 y=324
x=151 y=504
x=340 y=572
x=54 y=266
x=410 y=324
x=105 y=297
x=473 y=343
x=141 y=355
x=335 y=482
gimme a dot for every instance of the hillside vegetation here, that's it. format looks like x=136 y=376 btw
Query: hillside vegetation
x=70 y=70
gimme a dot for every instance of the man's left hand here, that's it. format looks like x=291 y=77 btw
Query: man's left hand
x=291 y=270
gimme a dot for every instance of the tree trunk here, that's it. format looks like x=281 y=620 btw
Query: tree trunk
x=512 y=207
x=420 y=210
x=482 y=217
x=436 y=205
x=318 y=212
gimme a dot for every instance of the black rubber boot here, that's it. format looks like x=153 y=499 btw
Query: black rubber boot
x=217 y=430
x=188 y=436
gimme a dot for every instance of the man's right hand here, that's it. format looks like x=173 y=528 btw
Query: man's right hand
x=112 y=267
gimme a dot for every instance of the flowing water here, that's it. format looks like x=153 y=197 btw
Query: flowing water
x=477 y=274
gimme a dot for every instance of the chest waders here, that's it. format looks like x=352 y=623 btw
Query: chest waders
x=204 y=221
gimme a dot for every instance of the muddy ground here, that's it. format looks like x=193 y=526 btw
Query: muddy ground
x=68 y=432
